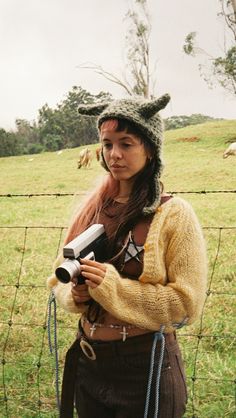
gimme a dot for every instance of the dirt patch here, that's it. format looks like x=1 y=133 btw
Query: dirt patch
x=189 y=139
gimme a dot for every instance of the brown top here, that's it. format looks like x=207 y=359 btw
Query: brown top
x=128 y=258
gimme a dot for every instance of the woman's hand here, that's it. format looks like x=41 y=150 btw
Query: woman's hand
x=93 y=272
x=80 y=292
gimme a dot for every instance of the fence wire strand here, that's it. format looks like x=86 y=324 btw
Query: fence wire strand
x=83 y=193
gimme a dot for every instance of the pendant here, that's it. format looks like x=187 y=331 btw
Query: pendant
x=124 y=333
x=92 y=330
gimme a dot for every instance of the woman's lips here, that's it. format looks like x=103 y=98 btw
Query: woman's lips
x=116 y=166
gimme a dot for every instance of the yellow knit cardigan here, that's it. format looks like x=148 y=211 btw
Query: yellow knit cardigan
x=171 y=288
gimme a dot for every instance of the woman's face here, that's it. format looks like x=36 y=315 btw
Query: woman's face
x=124 y=153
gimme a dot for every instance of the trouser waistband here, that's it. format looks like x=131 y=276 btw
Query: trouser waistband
x=137 y=344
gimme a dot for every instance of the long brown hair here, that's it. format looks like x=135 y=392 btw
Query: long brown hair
x=141 y=194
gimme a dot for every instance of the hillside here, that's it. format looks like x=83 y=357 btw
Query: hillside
x=193 y=162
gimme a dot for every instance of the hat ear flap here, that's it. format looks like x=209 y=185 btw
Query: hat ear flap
x=92 y=110
x=147 y=110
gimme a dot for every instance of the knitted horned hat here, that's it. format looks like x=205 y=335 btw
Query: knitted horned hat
x=144 y=115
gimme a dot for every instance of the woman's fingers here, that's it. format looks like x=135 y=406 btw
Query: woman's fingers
x=77 y=291
x=80 y=293
x=82 y=286
x=92 y=284
x=92 y=263
x=80 y=299
x=93 y=272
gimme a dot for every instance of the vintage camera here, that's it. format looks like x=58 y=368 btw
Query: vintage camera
x=91 y=244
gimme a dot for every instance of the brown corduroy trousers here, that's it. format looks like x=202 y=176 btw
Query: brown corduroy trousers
x=115 y=384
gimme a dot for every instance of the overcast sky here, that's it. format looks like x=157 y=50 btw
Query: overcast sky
x=42 y=43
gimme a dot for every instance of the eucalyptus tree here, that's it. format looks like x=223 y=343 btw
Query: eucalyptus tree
x=136 y=79
x=221 y=69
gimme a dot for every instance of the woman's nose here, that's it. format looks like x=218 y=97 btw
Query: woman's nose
x=116 y=152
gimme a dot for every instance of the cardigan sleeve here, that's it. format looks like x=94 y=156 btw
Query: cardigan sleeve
x=63 y=293
x=154 y=303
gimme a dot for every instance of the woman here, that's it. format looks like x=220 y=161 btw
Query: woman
x=126 y=361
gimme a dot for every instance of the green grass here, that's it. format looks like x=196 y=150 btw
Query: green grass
x=27 y=374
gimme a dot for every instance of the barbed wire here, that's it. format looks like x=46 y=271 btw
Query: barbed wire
x=84 y=193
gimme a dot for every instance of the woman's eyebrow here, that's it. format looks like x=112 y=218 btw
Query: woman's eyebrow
x=106 y=139
x=126 y=137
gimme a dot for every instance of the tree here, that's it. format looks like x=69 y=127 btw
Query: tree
x=138 y=51
x=9 y=144
x=223 y=68
x=55 y=129
x=27 y=136
x=180 y=121
x=137 y=78
x=63 y=127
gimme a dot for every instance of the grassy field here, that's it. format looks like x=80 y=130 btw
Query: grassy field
x=32 y=229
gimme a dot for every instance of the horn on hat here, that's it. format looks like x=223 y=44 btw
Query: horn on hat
x=151 y=107
x=92 y=110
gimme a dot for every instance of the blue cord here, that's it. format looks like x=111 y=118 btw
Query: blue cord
x=157 y=336
x=52 y=302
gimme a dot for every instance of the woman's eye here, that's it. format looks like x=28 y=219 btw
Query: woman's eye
x=107 y=146
x=126 y=145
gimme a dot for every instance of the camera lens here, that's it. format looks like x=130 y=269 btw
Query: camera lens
x=67 y=270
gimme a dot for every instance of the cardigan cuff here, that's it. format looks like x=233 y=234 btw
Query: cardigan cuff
x=107 y=287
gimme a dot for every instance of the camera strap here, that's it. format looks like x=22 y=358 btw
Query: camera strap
x=53 y=347
x=158 y=336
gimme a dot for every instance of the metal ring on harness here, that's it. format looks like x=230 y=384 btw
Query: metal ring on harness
x=87 y=350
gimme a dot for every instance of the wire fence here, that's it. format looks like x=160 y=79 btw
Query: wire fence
x=82 y=193
x=30 y=380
